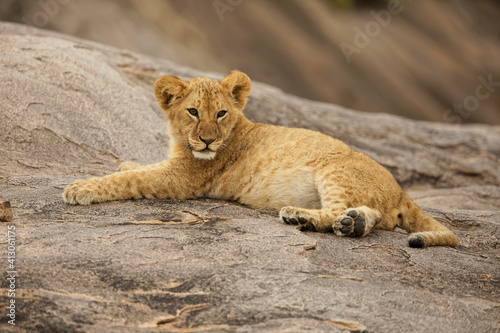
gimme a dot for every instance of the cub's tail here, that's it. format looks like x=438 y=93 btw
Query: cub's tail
x=424 y=230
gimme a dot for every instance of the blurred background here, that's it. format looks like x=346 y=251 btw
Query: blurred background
x=426 y=60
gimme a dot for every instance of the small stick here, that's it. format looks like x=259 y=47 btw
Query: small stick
x=5 y=211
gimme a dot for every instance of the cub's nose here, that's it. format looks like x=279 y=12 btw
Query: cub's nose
x=206 y=141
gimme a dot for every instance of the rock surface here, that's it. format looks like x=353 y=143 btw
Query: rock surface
x=75 y=109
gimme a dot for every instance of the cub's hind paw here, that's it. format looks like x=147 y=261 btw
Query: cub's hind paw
x=351 y=224
x=293 y=216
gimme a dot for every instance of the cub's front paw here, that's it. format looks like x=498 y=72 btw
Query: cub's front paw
x=298 y=217
x=128 y=166
x=351 y=223
x=81 y=192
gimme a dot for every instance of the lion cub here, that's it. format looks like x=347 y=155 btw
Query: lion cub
x=315 y=181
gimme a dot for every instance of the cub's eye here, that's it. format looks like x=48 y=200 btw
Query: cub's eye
x=193 y=112
x=221 y=114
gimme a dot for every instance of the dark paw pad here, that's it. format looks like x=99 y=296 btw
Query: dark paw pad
x=301 y=222
x=353 y=225
x=353 y=214
x=416 y=241
x=290 y=220
x=305 y=225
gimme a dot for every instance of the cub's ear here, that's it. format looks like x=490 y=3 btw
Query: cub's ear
x=167 y=89
x=238 y=84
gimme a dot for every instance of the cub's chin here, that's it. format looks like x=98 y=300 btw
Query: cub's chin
x=204 y=154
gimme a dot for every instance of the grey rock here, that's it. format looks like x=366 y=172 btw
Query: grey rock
x=75 y=109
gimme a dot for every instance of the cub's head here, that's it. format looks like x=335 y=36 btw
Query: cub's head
x=202 y=112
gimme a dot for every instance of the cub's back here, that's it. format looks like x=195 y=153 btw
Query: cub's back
x=294 y=141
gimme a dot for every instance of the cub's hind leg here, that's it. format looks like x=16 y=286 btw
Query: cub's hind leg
x=352 y=222
x=337 y=215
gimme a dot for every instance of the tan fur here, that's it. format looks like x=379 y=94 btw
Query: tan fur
x=315 y=181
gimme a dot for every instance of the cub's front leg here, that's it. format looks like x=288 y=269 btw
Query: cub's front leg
x=136 y=166
x=168 y=182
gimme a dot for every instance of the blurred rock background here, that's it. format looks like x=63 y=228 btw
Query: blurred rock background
x=426 y=60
